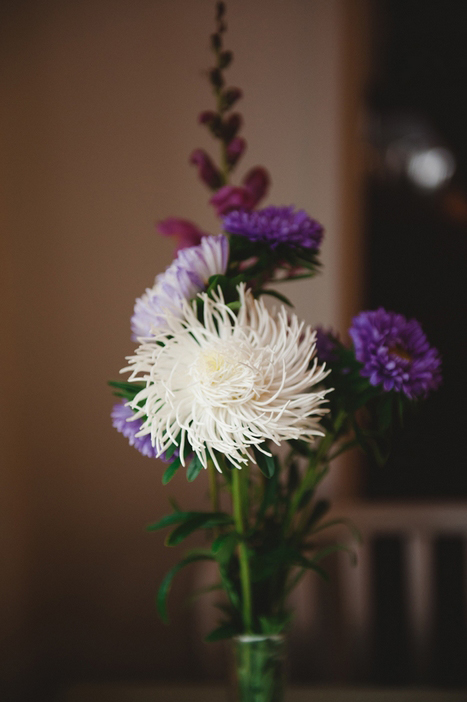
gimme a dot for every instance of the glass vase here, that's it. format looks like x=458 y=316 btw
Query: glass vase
x=258 y=673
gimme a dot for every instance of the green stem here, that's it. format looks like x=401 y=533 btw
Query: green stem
x=213 y=487
x=213 y=492
x=312 y=476
x=239 y=509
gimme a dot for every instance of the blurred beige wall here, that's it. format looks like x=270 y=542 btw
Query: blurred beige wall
x=99 y=101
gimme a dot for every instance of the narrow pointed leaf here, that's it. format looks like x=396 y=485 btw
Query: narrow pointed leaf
x=167 y=581
x=170 y=471
x=194 y=469
x=200 y=520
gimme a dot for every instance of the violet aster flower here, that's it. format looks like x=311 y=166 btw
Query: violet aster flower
x=121 y=414
x=182 y=280
x=326 y=345
x=276 y=225
x=395 y=353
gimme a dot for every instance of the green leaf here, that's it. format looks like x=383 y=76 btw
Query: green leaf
x=270 y=494
x=170 y=519
x=334 y=548
x=318 y=512
x=199 y=520
x=274 y=293
x=266 y=464
x=194 y=469
x=273 y=625
x=224 y=631
x=199 y=592
x=311 y=565
x=300 y=447
x=340 y=522
x=170 y=451
x=126 y=390
x=224 y=546
x=167 y=581
x=170 y=471
x=265 y=564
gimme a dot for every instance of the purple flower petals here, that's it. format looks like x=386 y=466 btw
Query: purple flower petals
x=395 y=353
x=276 y=225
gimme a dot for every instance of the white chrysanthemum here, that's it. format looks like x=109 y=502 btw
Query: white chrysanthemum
x=228 y=383
x=186 y=276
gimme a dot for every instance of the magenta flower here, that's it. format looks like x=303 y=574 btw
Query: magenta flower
x=230 y=197
x=235 y=149
x=395 y=353
x=187 y=233
x=207 y=171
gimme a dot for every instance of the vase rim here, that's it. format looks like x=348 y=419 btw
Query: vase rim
x=252 y=638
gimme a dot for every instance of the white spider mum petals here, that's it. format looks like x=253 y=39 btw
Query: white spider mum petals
x=186 y=276
x=229 y=383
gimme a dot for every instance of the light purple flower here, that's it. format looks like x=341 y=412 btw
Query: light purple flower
x=275 y=226
x=395 y=353
x=123 y=422
x=187 y=275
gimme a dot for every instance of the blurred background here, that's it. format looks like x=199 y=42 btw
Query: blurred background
x=358 y=111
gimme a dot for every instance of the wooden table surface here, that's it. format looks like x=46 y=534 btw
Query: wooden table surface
x=178 y=693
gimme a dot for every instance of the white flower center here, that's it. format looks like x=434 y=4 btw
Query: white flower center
x=223 y=373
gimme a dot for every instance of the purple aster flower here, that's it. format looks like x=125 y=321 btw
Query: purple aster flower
x=182 y=280
x=122 y=421
x=276 y=225
x=395 y=353
x=326 y=345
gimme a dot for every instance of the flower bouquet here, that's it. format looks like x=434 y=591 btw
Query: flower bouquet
x=253 y=400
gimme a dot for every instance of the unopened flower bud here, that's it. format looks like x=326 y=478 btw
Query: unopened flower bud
x=229 y=97
x=225 y=59
x=207 y=117
x=207 y=171
x=212 y=121
x=216 y=41
x=257 y=182
x=220 y=10
x=234 y=150
x=231 y=127
x=215 y=76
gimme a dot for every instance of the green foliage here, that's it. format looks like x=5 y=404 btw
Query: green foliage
x=171 y=470
x=128 y=391
x=194 y=469
x=266 y=463
x=164 y=589
x=197 y=520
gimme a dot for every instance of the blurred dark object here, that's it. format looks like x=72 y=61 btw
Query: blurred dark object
x=417 y=225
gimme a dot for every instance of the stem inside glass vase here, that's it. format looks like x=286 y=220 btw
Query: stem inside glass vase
x=258 y=668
